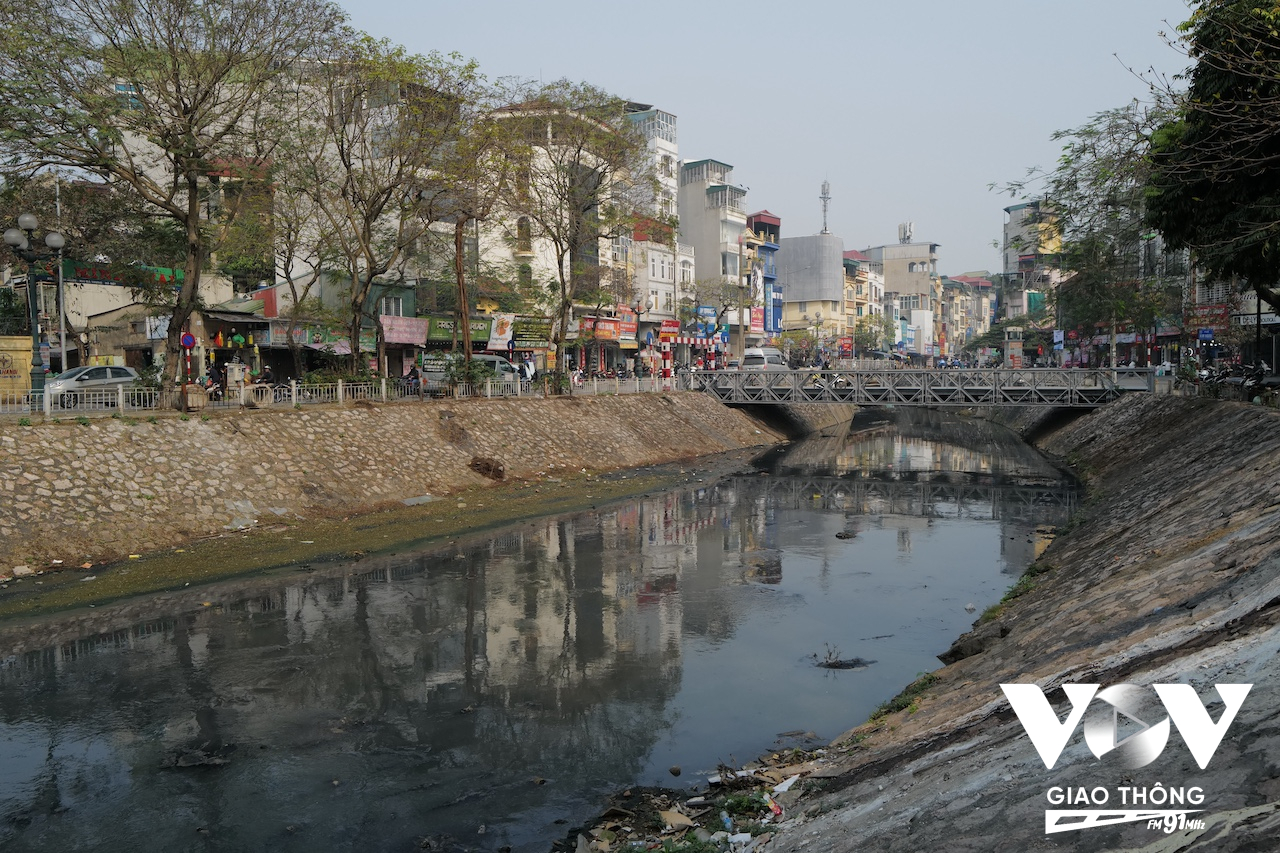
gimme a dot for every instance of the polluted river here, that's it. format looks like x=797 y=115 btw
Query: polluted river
x=495 y=693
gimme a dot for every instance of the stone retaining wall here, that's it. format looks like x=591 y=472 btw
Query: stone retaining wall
x=116 y=486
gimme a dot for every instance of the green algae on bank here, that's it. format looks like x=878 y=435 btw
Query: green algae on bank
x=303 y=542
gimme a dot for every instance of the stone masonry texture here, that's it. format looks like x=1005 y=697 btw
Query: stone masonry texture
x=114 y=486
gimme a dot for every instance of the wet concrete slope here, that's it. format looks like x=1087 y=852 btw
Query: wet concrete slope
x=1169 y=575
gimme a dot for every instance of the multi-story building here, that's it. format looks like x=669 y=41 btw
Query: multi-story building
x=911 y=272
x=965 y=312
x=864 y=292
x=1031 y=257
x=765 y=290
x=662 y=268
x=811 y=272
x=712 y=219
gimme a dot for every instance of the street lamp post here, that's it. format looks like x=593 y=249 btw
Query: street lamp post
x=640 y=306
x=22 y=240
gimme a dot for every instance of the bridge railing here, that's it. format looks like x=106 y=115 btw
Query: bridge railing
x=946 y=387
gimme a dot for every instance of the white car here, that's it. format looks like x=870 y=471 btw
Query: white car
x=91 y=383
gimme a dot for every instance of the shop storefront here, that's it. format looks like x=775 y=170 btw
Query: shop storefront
x=403 y=338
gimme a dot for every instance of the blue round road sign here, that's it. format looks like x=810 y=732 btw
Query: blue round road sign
x=188 y=340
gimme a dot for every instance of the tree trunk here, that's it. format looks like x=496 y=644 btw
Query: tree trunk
x=188 y=291
x=459 y=270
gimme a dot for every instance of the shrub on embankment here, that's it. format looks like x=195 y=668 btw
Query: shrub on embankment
x=109 y=487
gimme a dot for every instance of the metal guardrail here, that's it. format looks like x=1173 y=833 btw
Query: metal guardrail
x=913 y=387
x=291 y=394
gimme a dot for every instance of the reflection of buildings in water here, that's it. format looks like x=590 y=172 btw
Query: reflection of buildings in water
x=546 y=623
x=905 y=454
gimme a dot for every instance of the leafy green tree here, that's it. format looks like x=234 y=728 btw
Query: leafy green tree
x=1093 y=204
x=1214 y=187
x=872 y=331
x=154 y=97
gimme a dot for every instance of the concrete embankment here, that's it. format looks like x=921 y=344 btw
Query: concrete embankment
x=1169 y=574
x=108 y=487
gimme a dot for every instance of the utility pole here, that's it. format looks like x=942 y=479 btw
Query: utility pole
x=742 y=298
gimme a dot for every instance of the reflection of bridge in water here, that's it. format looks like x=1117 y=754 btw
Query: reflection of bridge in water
x=958 y=388
x=1006 y=501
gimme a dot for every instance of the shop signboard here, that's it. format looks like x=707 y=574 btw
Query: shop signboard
x=411 y=331
x=1214 y=316
x=598 y=328
x=757 y=319
x=338 y=341
x=501 y=331
x=627 y=324
x=278 y=333
x=441 y=329
x=532 y=333
x=88 y=272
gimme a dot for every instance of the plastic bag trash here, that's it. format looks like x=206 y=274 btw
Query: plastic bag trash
x=740 y=838
x=782 y=787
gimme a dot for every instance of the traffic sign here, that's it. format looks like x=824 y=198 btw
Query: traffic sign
x=188 y=340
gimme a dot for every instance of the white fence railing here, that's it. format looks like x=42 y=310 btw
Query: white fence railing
x=293 y=393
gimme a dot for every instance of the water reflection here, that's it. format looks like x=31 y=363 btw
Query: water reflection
x=505 y=686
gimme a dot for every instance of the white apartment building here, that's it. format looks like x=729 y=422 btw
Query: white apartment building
x=712 y=218
x=662 y=268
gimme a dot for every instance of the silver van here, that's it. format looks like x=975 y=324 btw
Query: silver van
x=763 y=358
x=438 y=369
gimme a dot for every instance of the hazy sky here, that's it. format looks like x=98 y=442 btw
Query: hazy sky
x=910 y=108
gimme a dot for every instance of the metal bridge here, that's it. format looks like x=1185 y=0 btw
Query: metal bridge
x=910 y=387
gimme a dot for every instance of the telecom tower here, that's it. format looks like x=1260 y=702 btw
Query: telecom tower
x=826 y=197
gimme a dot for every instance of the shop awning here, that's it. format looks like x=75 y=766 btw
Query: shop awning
x=234 y=317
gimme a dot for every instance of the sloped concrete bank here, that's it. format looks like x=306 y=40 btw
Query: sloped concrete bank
x=1169 y=574
x=110 y=487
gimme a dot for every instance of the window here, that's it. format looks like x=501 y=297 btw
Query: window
x=127 y=94
x=526 y=276
x=804 y=307
x=524 y=235
x=391 y=306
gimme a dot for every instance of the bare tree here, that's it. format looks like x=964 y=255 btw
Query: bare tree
x=386 y=118
x=154 y=95
x=584 y=175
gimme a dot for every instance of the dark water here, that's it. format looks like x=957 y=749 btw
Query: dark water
x=491 y=692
